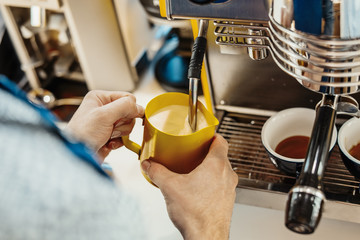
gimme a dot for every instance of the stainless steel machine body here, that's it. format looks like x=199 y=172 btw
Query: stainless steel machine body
x=315 y=42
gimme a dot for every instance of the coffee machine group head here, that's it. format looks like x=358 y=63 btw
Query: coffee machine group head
x=315 y=41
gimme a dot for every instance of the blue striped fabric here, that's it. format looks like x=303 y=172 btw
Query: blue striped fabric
x=49 y=119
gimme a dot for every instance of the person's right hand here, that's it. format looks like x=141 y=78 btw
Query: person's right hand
x=199 y=203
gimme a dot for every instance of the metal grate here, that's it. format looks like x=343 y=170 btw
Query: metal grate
x=255 y=170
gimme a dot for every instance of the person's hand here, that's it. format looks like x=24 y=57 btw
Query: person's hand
x=200 y=203
x=103 y=117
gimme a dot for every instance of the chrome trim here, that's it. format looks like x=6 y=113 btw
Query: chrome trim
x=309 y=190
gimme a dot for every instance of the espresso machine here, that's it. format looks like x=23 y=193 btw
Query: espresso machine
x=263 y=56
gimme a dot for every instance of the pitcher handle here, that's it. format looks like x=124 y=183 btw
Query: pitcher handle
x=131 y=145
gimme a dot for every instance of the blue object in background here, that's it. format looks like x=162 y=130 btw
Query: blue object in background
x=308 y=16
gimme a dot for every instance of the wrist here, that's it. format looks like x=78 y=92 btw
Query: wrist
x=76 y=136
x=216 y=231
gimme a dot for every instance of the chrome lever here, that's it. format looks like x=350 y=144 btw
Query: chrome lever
x=346 y=105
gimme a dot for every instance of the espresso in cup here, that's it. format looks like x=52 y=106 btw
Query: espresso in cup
x=355 y=151
x=293 y=147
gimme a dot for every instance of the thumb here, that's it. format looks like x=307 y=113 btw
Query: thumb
x=157 y=172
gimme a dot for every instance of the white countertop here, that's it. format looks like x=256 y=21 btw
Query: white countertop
x=250 y=223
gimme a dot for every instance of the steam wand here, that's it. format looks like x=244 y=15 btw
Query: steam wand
x=194 y=71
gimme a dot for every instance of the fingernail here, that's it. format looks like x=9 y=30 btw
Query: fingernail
x=145 y=165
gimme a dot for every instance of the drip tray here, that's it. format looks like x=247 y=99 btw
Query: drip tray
x=262 y=184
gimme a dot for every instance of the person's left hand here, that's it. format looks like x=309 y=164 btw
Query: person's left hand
x=103 y=117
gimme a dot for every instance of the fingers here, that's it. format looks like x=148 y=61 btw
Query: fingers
x=103 y=153
x=157 y=173
x=218 y=148
x=114 y=143
x=217 y=154
x=114 y=105
x=217 y=159
x=123 y=108
x=104 y=97
x=123 y=128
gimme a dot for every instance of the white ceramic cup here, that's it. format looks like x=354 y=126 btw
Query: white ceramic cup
x=349 y=136
x=287 y=123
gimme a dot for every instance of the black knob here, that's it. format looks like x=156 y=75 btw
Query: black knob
x=303 y=211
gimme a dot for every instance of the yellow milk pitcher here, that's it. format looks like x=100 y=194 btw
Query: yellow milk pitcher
x=178 y=150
